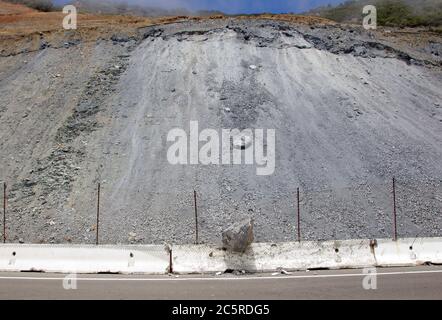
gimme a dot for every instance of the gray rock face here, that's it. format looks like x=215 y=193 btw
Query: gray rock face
x=345 y=124
x=238 y=236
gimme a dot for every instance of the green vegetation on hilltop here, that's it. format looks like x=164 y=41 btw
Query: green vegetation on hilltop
x=400 y=13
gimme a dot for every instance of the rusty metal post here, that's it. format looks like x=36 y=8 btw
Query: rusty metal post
x=170 y=261
x=299 y=217
x=196 y=217
x=4 y=212
x=98 y=212
x=394 y=210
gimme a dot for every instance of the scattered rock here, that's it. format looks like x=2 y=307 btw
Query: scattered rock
x=239 y=236
x=285 y=272
x=132 y=236
x=242 y=142
x=120 y=38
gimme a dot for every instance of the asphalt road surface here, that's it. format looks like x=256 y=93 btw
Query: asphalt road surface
x=391 y=283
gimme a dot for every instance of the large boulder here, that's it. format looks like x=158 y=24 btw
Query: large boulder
x=238 y=236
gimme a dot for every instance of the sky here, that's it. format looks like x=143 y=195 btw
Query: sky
x=233 y=6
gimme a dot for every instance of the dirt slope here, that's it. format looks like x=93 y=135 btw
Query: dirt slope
x=7 y=8
x=350 y=111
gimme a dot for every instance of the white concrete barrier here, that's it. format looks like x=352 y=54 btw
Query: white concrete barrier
x=84 y=259
x=262 y=257
x=408 y=252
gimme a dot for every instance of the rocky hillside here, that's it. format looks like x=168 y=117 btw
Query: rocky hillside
x=351 y=110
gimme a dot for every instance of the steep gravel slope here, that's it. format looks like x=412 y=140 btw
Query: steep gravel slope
x=349 y=113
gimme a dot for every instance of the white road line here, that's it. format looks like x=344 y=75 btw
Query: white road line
x=281 y=277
